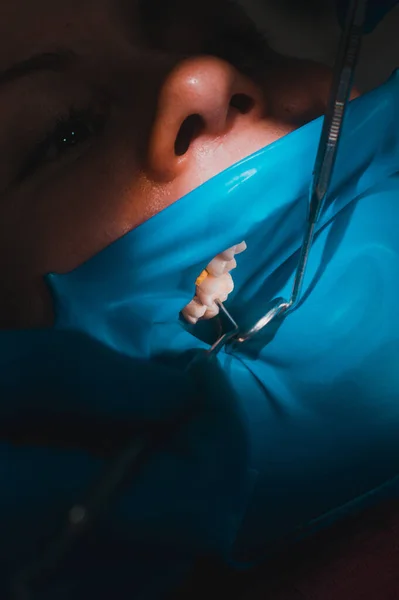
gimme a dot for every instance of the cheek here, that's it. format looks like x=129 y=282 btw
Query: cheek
x=60 y=227
x=81 y=209
x=73 y=218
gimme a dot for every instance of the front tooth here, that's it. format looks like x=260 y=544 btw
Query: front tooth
x=194 y=311
x=215 y=288
x=227 y=254
x=218 y=266
x=240 y=248
x=189 y=318
x=214 y=283
x=231 y=252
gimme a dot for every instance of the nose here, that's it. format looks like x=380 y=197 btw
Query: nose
x=202 y=100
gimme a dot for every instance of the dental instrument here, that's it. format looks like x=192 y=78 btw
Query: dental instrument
x=324 y=166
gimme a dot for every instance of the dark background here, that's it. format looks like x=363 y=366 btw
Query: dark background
x=310 y=29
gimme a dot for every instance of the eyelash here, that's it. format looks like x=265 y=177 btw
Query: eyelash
x=69 y=131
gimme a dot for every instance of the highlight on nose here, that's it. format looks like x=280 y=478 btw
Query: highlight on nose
x=200 y=100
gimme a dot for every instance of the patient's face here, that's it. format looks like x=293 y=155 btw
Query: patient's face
x=111 y=119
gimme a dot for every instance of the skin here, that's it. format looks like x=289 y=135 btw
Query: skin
x=139 y=82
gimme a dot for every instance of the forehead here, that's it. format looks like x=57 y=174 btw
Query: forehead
x=28 y=26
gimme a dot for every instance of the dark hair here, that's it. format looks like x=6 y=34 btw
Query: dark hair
x=228 y=31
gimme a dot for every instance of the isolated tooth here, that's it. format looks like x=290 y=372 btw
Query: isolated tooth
x=218 y=266
x=231 y=252
x=194 y=311
x=214 y=283
x=215 y=288
x=240 y=248
x=189 y=318
x=227 y=254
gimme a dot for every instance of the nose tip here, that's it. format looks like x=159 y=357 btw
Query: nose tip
x=200 y=99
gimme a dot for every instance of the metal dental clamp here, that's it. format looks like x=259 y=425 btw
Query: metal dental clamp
x=325 y=160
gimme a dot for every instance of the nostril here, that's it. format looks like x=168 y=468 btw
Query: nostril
x=243 y=103
x=189 y=130
x=194 y=125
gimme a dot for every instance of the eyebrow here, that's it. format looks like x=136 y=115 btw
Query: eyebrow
x=47 y=61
